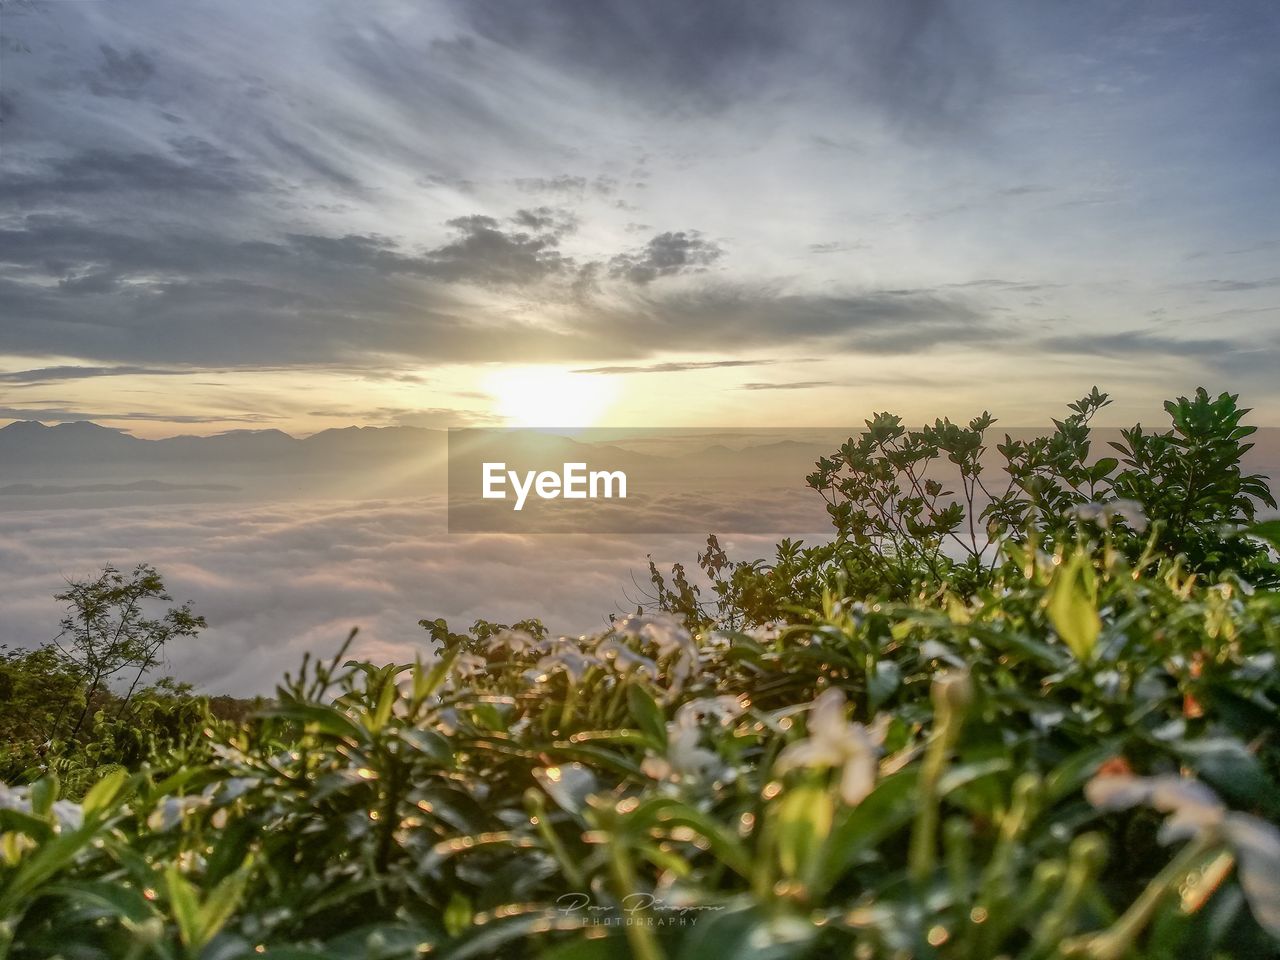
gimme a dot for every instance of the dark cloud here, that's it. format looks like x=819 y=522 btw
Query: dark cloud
x=194 y=167
x=99 y=282
x=546 y=219
x=666 y=255
x=1138 y=343
x=921 y=62
x=43 y=375
x=567 y=184
x=708 y=317
x=309 y=299
x=485 y=254
x=120 y=74
x=1024 y=189
x=1239 y=286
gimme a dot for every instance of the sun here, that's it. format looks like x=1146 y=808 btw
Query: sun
x=549 y=396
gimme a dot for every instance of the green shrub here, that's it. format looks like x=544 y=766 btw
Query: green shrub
x=1072 y=755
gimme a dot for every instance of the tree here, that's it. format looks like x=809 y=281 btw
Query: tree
x=112 y=627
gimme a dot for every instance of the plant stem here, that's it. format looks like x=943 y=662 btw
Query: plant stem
x=643 y=943
x=1116 y=942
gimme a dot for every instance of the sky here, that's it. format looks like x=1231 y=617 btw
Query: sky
x=308 y=214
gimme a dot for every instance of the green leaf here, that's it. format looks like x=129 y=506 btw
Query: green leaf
x=1268 y=531
x=430 y=744
x=104 y=794
x=886 y=677
x=457 y=914
x=748 y=933
x=1103 y=467
x=185 y=907
x=1072 y=605
x=43 y=792
x=386 y=703
x=103 y=898
x=803 y=818
x=223 y=900
x=857 y=829
x=647 y=714
x=328 y=720
x=670 y=812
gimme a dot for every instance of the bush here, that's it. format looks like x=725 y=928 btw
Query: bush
x=1072 y=756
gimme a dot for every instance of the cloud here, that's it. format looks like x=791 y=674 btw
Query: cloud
x=680 y=366
x=666 y=255
x=266 y=578
x=706 y=317
x=1236 y=286
x=568 y=184
x=168 y=204
x=836 y=246
x=1133 y=343
x=794 y=385
x=435 y=418
x=485 y=254
x=120 y=74
x=918 y=62
x=42 y=375
x=546 y=219
x=309 y=299
x=192 y=166
x=59 y=415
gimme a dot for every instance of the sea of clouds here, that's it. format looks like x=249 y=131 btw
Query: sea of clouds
x=276 y=579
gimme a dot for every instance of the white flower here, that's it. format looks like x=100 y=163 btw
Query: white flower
x=468 y=665
x=685 y=758
x=722 y=709
x=15 y=798
x=66 y=814
x=718 y=640
x=672 y=641
x=514 y=641
x=765 y=633
x=835 y=742
x=170 y=811
x=665 y=631
x=1195 y=810
x=625 y=660
x=1257 y=845
x=567 y=658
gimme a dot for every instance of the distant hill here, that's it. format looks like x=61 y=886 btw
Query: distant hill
x=28 y=448
x=137 y=486
x=361 y=462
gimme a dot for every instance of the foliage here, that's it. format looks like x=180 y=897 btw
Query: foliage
x=107 y=629
x=711 y=788
x=1074 y=755
x=920 y=512
x=58 y=711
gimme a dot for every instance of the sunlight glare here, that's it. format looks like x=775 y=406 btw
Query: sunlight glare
x=549 y=396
